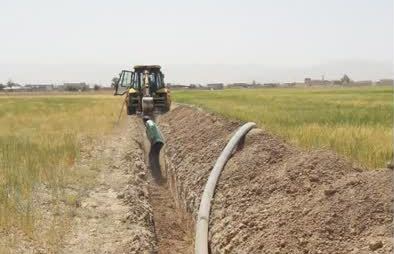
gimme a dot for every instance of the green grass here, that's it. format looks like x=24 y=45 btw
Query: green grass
x=39 y=142
x=356 y=122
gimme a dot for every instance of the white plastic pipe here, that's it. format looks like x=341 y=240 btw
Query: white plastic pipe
x=201 y=241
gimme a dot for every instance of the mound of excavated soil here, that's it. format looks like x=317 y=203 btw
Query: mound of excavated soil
x=273 y=197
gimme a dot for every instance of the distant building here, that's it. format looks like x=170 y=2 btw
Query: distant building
x=385 y=82
x=336 y=82
x=271 y=84
x=316 y=82
x=238 y=85
x=254 y=84
x=15 y=88
x=40 y=87
x=215 y=86
x=362 y=83
x=196 y=86
x=288 y=84
x=177 y=86
x=75 y=86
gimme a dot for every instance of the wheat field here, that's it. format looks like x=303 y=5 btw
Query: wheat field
x=355 y=122
x=39 y=141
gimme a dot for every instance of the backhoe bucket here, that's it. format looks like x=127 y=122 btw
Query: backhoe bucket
x=147 y=105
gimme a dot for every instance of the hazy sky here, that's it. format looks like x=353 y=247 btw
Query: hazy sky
x=195 y=41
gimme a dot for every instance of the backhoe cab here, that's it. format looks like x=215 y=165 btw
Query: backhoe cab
x=145 y=90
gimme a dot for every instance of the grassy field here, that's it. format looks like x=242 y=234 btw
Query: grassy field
x=39 y=141
x=356 y=122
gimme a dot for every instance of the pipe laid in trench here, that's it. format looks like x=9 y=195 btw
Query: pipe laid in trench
x=154 y=135
x=157 y=141
x=201 y=241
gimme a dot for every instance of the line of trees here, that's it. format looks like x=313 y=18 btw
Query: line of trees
x=9 y=84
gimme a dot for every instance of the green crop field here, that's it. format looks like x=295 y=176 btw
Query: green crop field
x=39 y=141
x=356 y=122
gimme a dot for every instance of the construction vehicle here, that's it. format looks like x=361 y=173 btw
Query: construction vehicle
x=146 y=92
x=146 y=96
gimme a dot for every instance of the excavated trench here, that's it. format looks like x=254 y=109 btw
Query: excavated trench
x=173 y=227
x=272 y=197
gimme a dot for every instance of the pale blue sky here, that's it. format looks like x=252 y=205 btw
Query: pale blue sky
x=55 y=41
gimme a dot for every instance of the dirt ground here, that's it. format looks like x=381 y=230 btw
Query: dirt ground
x=116 y=215
x=273 y=197
x=106 y=210
x=174 y=234
x=128 y=211
x=117 y=208
x=173 y=226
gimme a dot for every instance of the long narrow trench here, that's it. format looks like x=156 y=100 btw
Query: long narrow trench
x=172 y=230
x=173 y=227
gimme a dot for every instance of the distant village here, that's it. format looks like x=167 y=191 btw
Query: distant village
x=345 y=81
x=308 y=82
x=11 y=86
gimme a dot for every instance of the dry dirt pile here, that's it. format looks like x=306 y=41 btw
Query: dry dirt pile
x=273 y=197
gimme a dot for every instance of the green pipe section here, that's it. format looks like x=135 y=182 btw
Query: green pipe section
x=156 y=140
x=154 y=134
